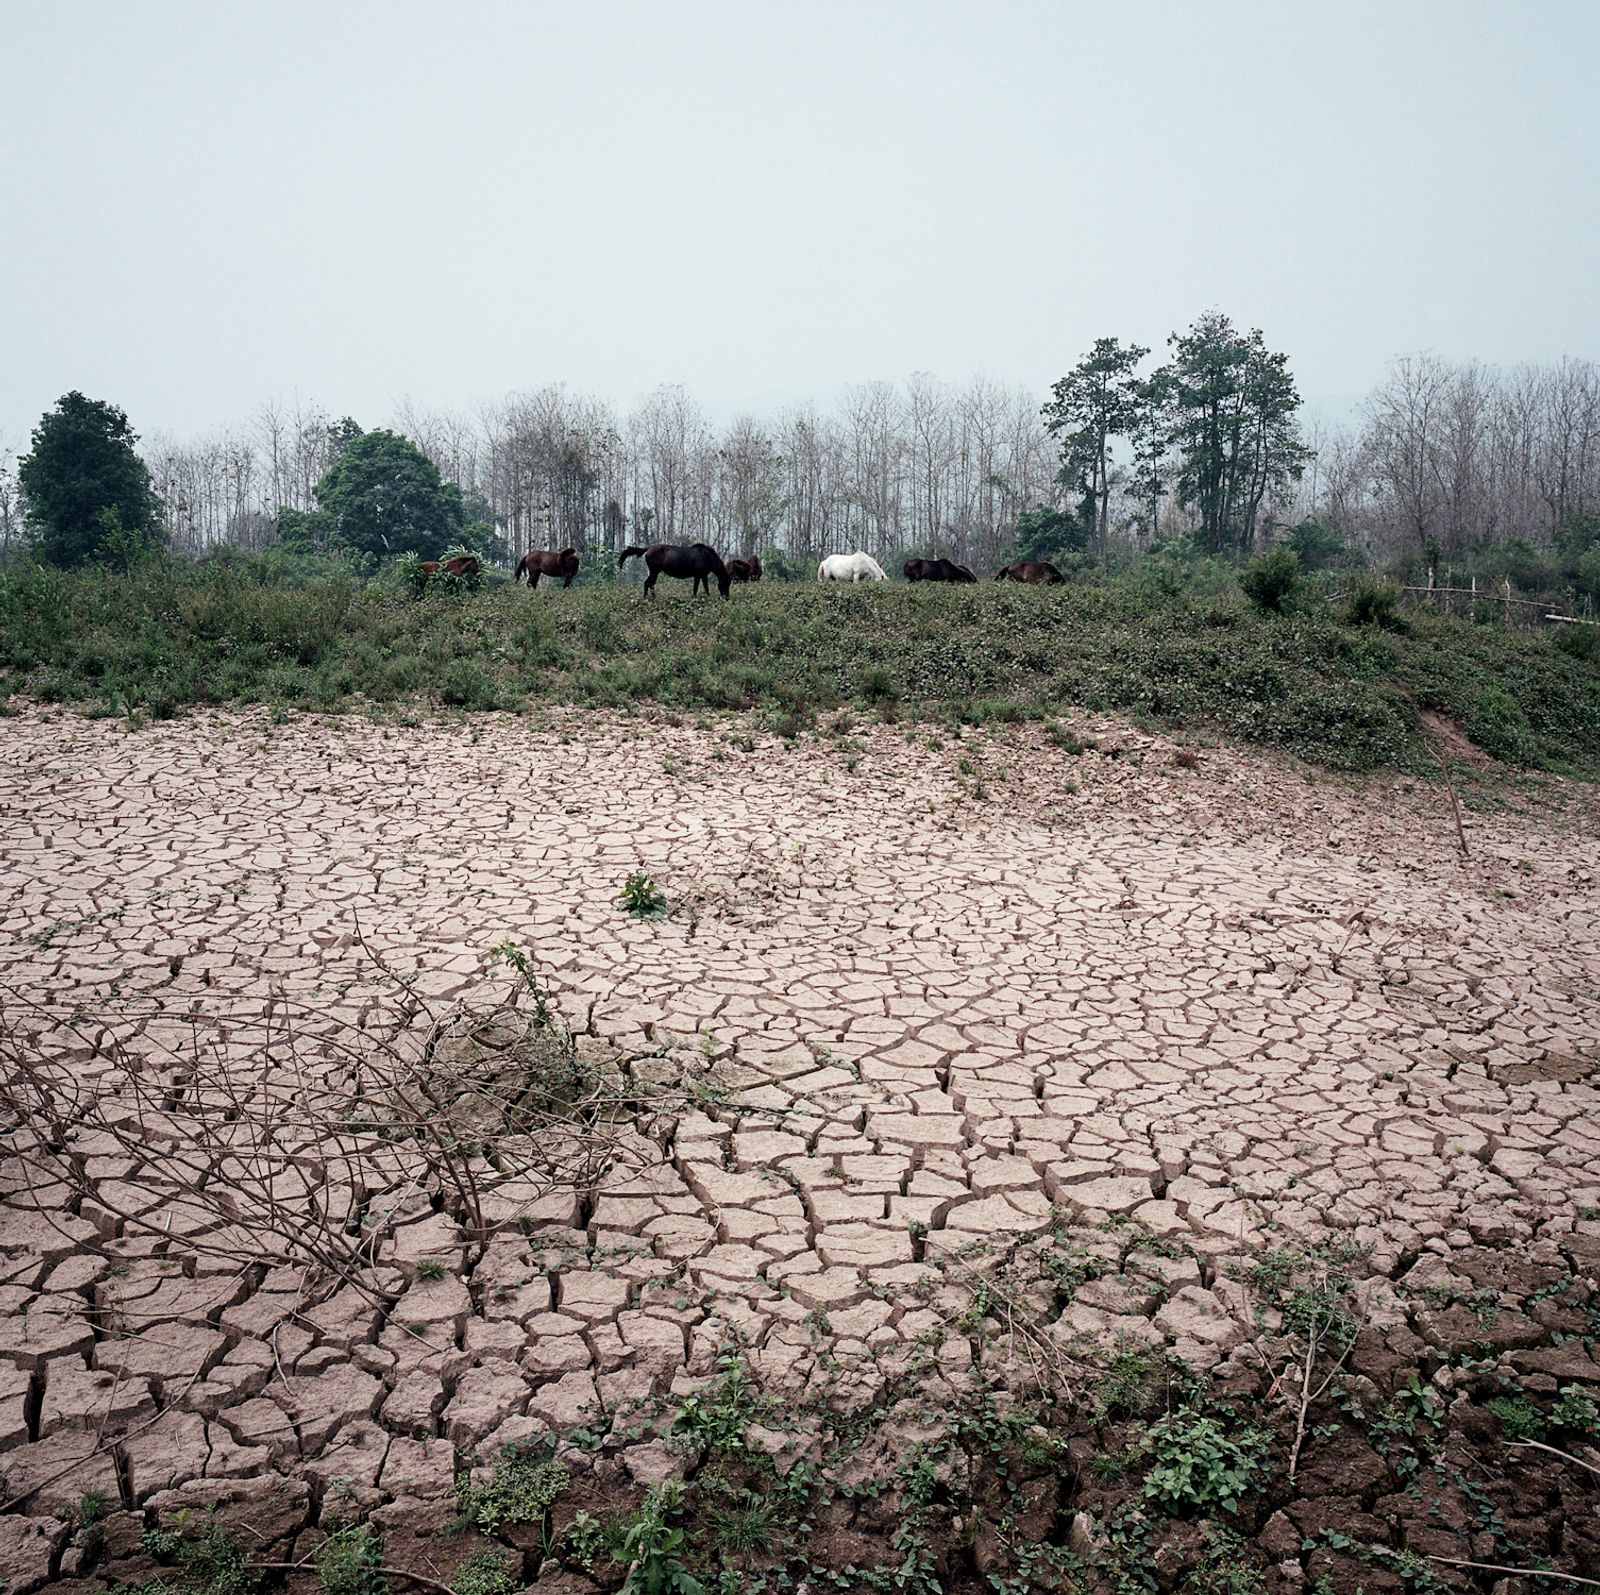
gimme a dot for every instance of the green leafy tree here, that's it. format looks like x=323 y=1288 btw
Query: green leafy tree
x=342 y=434
x=383 y=495
x=83 y=482
x=1235 y=427
x=1317 y=546
x=1150 y=433
x=304 y=531
x=1095 y=402
x=1047 y=534
x=480 y=533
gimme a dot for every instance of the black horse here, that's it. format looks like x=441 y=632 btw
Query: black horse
x=698 y=561
x=937 y=570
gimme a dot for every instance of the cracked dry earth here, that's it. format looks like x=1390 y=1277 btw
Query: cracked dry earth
x=1223 y=1007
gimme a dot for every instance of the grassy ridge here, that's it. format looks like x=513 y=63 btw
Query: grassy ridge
x=173 y=634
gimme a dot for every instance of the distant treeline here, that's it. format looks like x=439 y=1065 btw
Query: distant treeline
x=1209 y=448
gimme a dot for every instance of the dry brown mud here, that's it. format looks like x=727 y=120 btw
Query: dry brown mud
x=999 y=1068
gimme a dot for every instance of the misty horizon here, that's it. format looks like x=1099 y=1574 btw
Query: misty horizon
x=367 y=204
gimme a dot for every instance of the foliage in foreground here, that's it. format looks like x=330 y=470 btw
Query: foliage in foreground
x=1333 y=683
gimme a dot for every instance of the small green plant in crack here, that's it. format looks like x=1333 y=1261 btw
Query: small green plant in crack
x=1518 y=1418
x=648 y=1545
x=1576 y=1410
x=1409 y=1419
x=717 y=1415
x=87 y=1513
x=1198 y=1464
x=521 y=965
x=350 y=1562
x=430 y=1268
x=1225 y=1568
x=642 y=898
x=1124 y=1389
x=487 y=1572
x=210 y=1562
x=524 y=1485
x=744 y=1527
x=587 y=1540
x=89 y=1508
x=816 y=1325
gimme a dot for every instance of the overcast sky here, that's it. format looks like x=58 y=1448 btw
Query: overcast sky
x=206 y=204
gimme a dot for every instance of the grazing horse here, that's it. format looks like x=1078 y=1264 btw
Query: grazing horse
x=856 y=567
x=536 y=563
x=937 y=570
x=745 y=570
x=1031 y=570
x=699 y=561
x=463 y=565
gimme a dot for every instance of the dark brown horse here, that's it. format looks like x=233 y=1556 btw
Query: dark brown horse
x=463 y=565
x=1030 y=570
x=937 y=570
x=698 y=562
x=537 y=562
x=745 y=570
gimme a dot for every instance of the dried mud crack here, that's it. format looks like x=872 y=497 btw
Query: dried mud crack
x=1138 y=1177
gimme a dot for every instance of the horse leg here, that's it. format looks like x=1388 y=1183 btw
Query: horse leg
x=567 y=582
x=533 y=579
x=650 y=581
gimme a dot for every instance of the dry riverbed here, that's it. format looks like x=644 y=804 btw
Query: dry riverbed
x=998 y=1079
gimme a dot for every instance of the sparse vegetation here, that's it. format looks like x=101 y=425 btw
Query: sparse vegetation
x=522 y=1487
x=642 y=898
x=487 y=1572
x=208 y=1558
x=1197 y=1463
x=349 y=1562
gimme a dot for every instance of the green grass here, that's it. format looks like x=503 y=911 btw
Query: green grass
x=246 y=630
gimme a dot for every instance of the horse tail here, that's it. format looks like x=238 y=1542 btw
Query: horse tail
x=627 y=554
x=519 y=571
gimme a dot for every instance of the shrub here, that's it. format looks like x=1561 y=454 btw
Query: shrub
x=1497 y=723
x=467 y=685
x=1270 y=580
x=877 y=684
x=1580 y=642
x=1317 y=546
x=408 y=568
x=1374 y=602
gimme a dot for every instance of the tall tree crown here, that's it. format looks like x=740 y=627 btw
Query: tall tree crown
x=83 y=481
x=385 y=497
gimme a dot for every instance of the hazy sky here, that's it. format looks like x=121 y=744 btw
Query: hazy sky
x=206 y=204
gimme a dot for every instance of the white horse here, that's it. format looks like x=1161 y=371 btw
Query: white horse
x=856 y=567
